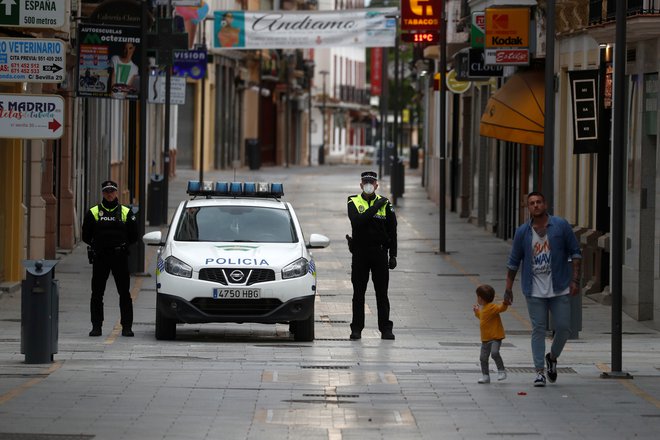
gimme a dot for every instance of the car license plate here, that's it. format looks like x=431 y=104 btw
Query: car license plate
x=236 y=293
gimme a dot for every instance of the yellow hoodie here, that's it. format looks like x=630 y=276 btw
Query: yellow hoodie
x=490 y=322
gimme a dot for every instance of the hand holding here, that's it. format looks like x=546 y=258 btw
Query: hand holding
x=508 y=297
x=392 y=262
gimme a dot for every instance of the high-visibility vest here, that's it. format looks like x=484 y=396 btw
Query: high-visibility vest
x=100 y=208
x=362 y=205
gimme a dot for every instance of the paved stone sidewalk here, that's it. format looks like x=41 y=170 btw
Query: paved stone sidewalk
x=231 y=381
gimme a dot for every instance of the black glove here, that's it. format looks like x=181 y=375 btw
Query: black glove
x=349 y=240
x=392 y=263
x=380 y=202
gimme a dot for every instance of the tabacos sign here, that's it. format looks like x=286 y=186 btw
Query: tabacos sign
x=421 y=15
x=507 y=27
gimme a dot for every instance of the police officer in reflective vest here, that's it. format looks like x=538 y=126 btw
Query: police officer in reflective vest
x=373 y=225
x=109 y=228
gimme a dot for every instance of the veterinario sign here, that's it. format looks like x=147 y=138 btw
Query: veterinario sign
x=32 y=60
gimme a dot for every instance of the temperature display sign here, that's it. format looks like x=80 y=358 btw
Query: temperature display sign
x=420 y=37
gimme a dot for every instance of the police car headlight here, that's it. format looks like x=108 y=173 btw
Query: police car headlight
x=178 y=268
x=296 y=269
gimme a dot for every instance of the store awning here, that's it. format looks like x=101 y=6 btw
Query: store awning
x=515 y=112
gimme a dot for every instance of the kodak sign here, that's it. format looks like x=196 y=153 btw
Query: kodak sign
x=421 y=15
x=507 y=27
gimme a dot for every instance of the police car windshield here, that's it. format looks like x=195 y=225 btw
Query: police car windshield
x=236 y=224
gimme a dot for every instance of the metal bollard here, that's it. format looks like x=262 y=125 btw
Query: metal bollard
x=39 y=312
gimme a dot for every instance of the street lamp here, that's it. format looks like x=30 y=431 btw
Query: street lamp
x=324 y=73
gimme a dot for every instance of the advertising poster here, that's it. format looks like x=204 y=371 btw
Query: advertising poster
x=303 y=29
x=108 y=58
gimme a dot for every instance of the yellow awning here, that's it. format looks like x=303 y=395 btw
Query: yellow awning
x=515 y=112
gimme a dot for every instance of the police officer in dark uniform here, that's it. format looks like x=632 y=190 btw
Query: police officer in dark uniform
x=373 y=226
x=109 y=228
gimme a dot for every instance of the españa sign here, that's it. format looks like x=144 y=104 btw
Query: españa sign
x=421 y=15
x=32 y=60
x=507 y=27
x=31 y=116
x=32 y=13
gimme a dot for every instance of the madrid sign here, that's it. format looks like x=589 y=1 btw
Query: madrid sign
x=32 y=13
x=31 y=116
x=32 y=60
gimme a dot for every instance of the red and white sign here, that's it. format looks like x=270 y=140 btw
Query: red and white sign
x=421 y=15
x=507 y=57
x=31 y=116
x=376 y=71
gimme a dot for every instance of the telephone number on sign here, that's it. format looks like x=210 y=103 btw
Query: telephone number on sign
x=236 y=293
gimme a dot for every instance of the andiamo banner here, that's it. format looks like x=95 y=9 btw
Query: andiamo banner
x=304 y=29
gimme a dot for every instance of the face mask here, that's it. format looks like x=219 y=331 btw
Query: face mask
x=368 y=188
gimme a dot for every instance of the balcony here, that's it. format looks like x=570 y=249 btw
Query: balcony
x=642 y=24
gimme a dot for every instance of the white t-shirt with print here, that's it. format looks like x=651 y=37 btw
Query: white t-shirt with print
x=541 y=268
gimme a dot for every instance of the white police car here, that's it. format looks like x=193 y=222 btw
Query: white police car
x=235 y=252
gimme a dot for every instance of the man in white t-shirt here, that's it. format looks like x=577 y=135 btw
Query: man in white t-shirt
x=549 y=253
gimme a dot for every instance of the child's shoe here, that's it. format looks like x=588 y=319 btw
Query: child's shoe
x=484 y=379
x=501 y=374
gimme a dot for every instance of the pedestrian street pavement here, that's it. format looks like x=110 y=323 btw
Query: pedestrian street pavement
x=252 y=381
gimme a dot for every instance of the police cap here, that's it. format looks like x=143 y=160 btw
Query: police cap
x=109 y=185
x=369 y=176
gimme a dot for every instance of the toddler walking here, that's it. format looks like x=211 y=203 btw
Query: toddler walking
x=492 y=331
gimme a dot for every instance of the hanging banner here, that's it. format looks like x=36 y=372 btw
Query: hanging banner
x=376 y=71
x=584 y=92
x=108 y=58
x=303 y=29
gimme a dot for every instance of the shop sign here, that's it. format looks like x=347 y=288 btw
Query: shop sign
x=157 y=89
x=32 y=60
x=421 y=15
x=477 y=67
x=478 y=29
x=32 y=13
x=507 y=27
x=31 y=116
x=584 y=86
x=455 y=85
x=190 y=63
x=507 y=57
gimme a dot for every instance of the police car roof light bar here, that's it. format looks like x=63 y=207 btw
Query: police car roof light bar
x=235 y=189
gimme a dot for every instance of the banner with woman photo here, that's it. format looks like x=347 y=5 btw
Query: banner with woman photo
x=304 y=29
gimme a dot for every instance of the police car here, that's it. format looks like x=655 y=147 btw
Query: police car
x=235 y=252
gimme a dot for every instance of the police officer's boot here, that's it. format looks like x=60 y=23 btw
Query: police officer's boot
x=126 y=331
x=96 y=330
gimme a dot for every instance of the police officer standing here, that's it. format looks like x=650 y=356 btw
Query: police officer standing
x=373 y=225
x=109 y=228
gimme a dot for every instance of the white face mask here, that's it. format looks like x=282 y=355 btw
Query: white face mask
x=368 y=188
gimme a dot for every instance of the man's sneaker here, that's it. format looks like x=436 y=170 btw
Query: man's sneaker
x=501 y=374
x=484 y=379
x=540 y=380
x=551 y=368
x=96 y=331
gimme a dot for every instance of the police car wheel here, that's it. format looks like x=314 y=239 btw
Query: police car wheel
x=165 y=328
x=303 y=331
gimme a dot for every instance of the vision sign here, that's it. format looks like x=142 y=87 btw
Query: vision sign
x=421 y=15
x=32 y=60
x=31 y=116
x=32 y=13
